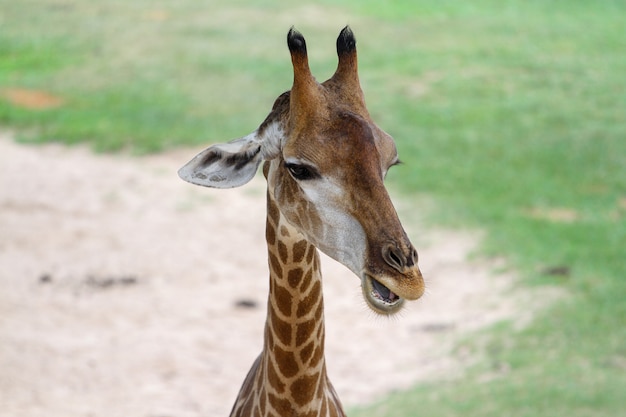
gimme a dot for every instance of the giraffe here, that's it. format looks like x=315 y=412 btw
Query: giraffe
x=324 y=160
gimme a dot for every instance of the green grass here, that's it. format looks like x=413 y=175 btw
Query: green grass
x=522 y=131
x=511 y=114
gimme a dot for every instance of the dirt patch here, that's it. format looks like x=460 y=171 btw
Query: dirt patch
x=31 y=99
x=126 y=292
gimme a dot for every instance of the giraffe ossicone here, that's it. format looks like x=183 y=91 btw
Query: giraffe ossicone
x=325 y=161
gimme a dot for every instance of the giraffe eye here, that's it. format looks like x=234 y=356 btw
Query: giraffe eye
x=302 y=172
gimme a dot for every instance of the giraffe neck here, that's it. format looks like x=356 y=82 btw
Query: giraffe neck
x=289 y=377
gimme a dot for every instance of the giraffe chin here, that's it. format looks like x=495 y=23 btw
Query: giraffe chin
x=380 y=298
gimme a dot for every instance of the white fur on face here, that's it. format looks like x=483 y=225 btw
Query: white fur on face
x=341 y=236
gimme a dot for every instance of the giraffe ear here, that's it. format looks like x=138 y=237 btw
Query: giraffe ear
x=226 y=165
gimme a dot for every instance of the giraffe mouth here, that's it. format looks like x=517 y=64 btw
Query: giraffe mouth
x=380 y=298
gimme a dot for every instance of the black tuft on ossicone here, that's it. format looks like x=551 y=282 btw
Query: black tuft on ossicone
x=295 y=41
x=346 y=42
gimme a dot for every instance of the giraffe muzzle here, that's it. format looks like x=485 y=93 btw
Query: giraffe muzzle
x=379 y=297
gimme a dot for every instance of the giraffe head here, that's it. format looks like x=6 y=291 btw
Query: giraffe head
x=325 y=161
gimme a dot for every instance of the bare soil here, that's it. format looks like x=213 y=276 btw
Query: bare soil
x=126 y=292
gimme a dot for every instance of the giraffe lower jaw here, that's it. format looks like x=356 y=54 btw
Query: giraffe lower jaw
x=380 y=298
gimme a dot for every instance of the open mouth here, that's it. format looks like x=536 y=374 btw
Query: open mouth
x=380 y=298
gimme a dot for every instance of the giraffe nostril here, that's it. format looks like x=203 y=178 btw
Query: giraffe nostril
x=394 y=257
x=414 y=257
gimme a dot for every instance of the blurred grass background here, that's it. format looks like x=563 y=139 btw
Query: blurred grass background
x=510 y=115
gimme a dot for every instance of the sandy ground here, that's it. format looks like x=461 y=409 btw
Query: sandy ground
x=124 y=292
